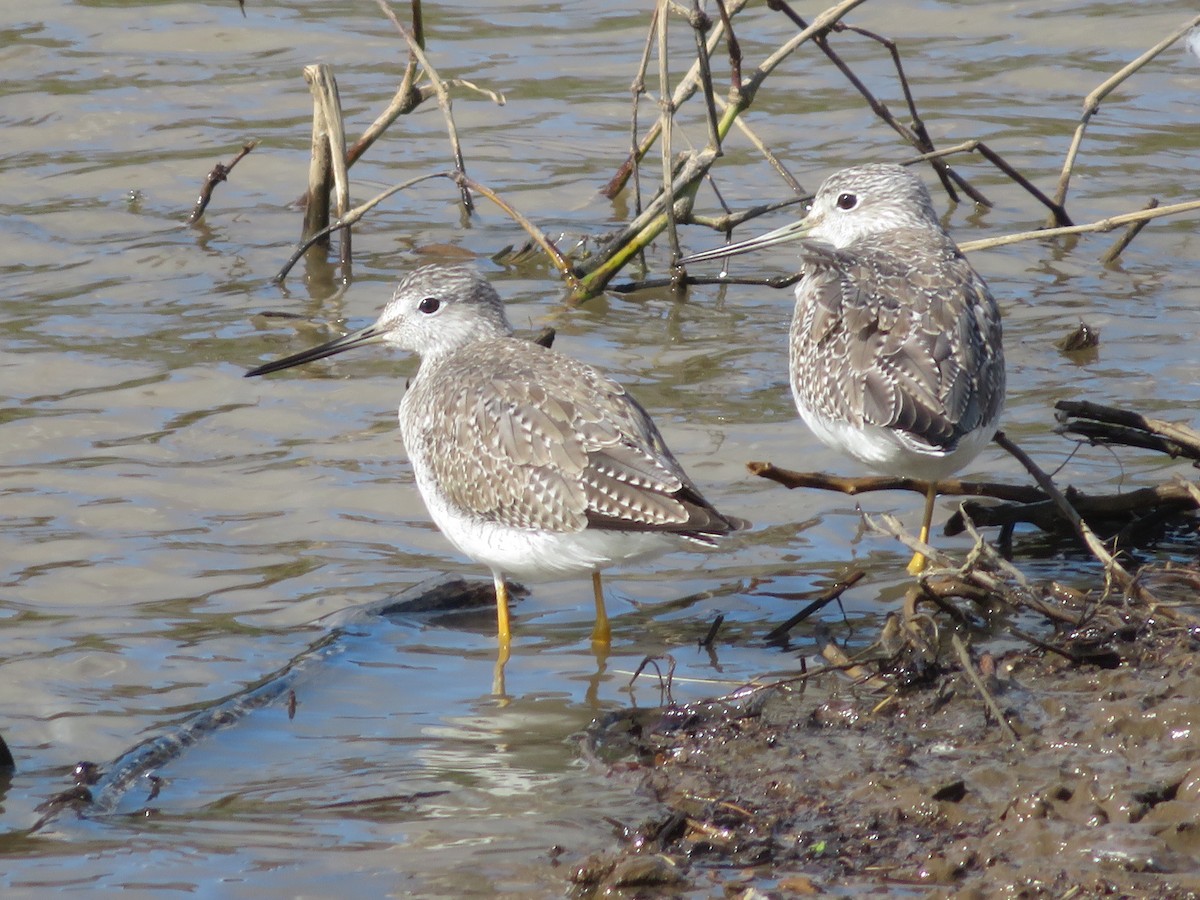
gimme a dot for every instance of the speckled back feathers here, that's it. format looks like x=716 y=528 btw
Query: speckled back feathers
x=893 y=327
x=522 y=436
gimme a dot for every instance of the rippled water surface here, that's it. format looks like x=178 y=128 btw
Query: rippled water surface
x=171 y=533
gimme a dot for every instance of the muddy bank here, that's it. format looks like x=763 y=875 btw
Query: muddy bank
x=897 y=776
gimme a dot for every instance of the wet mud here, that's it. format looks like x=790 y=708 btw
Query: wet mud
x=896 y=777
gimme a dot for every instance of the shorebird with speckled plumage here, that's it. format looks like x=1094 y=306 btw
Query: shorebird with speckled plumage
x=530 y=462
x=896 y=351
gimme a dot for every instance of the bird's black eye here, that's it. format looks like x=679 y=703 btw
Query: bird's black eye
x=847 y=201
x=429 y=305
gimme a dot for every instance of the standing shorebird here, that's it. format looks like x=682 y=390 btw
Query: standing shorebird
x=896 y=346
x=530 y=462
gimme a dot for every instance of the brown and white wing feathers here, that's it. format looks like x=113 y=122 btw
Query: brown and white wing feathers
x=887 y=333
x=542 y=441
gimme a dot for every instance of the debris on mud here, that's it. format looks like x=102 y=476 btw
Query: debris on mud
x=1061 y=763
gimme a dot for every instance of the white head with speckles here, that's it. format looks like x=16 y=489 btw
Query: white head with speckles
x=852 y=204
x=435 y=310
x=439 y=309
x=865 y=200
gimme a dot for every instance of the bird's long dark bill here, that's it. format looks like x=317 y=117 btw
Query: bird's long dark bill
x=790 y=232
x=360 y=338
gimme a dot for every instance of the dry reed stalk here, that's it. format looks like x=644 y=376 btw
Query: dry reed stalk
x=1091 y=103
x=1101 y=225
x=321 y=179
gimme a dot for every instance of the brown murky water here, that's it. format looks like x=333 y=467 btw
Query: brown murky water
x=172 y=532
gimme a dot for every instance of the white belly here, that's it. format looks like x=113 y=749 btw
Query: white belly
x=538 y=555
x=892 y=452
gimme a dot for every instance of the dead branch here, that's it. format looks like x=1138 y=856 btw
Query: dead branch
x=683 y=90
x=1101 y=225
x=916 y=134
x=780 y=632
x=354 y=215
x=1119 y=426
x=560 y=262
x=838 y=660
x=667 y=119
x=892 y=527
x=220 y=172
x=349 y=219
x=774 y=161
x=700 y=24
x=637 y=88
x=407 y=98
x=1098 y=509
x=1111 y=566
x=977 y=146
x=951 y=487
x=675 y=198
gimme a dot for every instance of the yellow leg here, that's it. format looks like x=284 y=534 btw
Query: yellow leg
x=503 y=635
x=602 y=633
x=504 y=631
x=917 y=564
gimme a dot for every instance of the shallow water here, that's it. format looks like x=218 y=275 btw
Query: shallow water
x=172 y=532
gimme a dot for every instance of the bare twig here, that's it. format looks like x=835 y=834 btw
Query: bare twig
x=349 y=219
x=563 y=265
x=780 y=632
x=710 y=637
x=1131 y=231
x=820 y=25
x=892 y=527
x=1096 y=508
x=1059 y=214
x=683 y=90
x=775 y=162
x=637 y=88
x=731 y=220
x=1091 y=103
x=666 y=114
x=637 y=235
x=1116 y=571
x=220 y=172
x=838 y=659
x=560 y=262
x=443 y=97
x=1101 y=225
x=964 y=660
x=949 y=487
x=407 y=98
x=916 y=134
x=733 y=46
x=700 y=24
